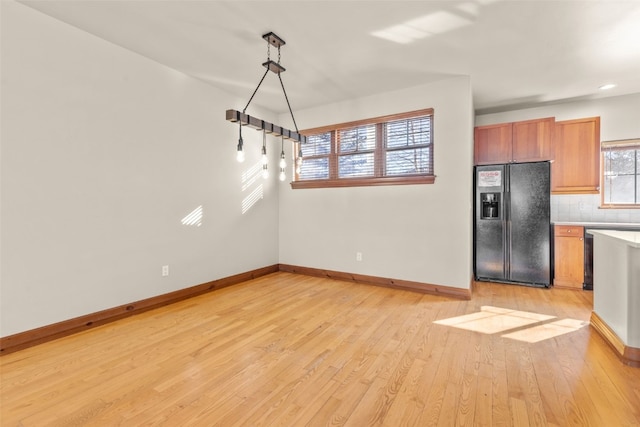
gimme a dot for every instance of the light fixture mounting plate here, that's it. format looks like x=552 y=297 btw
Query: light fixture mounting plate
x=273 y=39
x=274 y=66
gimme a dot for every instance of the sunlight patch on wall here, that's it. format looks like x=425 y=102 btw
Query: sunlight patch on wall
x=251 y=175
x=252 y=198
x=194 y=218
x=249 y=178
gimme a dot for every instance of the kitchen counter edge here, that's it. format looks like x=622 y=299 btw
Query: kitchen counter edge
x=601 y=225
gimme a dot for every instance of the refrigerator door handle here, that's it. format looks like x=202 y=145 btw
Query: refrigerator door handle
x=507 y=235
x=507 y=224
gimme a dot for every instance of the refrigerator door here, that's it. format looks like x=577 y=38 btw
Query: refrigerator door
x=528 y=223
x=490 y=237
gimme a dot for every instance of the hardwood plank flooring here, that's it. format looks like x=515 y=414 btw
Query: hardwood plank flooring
x=293 y=350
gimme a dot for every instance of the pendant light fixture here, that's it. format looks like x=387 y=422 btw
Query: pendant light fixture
x=244 y=119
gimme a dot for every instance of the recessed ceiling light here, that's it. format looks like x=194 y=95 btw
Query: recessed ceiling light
x=607 y=86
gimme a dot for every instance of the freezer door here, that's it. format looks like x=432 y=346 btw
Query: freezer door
x=528 y=223
x=490 y=239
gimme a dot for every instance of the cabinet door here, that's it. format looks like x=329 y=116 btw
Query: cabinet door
x=576 y=149
x=492 y=144
x=569 y=257
x=532 y=140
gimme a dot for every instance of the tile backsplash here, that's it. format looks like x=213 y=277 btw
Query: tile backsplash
x=585 y=208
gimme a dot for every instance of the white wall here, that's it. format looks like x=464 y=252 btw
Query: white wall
x=619 y=119
x=103 y=153
x=421 y=233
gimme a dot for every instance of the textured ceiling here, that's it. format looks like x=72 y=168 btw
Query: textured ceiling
x=518 y=53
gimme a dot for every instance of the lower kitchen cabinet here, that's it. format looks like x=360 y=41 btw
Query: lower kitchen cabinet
x=568 y=256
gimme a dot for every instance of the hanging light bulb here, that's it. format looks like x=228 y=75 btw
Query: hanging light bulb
x=240 y=152
x=283 y=161
x=299 y=159
x=265 y=159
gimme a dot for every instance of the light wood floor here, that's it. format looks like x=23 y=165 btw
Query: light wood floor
x=294 y=350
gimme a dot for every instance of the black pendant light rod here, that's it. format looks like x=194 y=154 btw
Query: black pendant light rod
x=255 y=91
x=288 y=105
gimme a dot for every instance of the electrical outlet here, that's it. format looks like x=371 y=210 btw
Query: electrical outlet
x=165 y=270
x=358 y=256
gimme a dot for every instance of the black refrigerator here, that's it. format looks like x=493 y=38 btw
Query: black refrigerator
x=512 y=230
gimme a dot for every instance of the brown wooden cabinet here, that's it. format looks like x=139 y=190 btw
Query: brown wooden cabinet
x=532 y=140
x=492 y=144
x=516 y=142
x=576 y=151
x=568 y=256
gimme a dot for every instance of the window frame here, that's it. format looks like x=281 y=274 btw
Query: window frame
x=379 y=155
x=622 y=145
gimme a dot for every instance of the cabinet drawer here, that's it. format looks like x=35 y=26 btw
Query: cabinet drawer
x=569 y=230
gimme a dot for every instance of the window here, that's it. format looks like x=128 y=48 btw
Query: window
x=396 y=149
x=315 y=154
x=621 y=173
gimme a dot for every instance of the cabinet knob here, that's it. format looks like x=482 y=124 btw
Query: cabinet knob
x=581 y=238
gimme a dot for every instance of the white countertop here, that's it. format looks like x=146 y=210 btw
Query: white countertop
x=600 y=224
x=630 y=238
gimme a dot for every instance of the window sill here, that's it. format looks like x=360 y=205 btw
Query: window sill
x=612 y=206
x=363 y=182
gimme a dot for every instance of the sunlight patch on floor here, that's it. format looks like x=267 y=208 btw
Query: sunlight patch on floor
x=546 y=331
x=491 y=320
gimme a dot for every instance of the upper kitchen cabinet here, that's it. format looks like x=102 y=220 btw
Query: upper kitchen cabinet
x=518 y=142
x=492 y=144
x=576 y=150
x=532 y=140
